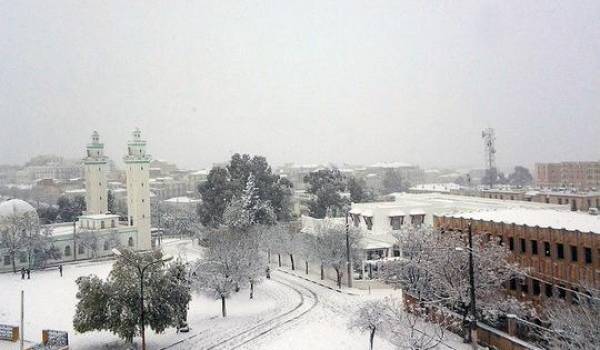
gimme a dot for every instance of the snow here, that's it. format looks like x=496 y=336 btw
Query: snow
x=286 y=313
x=556 y=219
x=182 y=200
x=436 y=187
x=15 y=207
x=396 y=213
x=99 y=216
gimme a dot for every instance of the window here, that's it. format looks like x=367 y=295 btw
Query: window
x=7 y=260
x=142 y=201
x=106 y=245
x=396 y=222
x=68 y=250
x=112 y=223
x=588 y=255
x=102 y=224
x=524 y=286
x=562 y=293
x=534 y=247
x=368 y=222
x=417 y=219
x=80 y=249
x=22 y=257
x=523 y=246
x=573 y=253
x=560 y=250
x=547 y=249
x=536 y=287
x=356 y=220
x=511 y=243
x=560 y=201
x=548 y=290
x=547 y=200
x=130 y=242
x=99 y=183
x=396 y=251
x=513 y=284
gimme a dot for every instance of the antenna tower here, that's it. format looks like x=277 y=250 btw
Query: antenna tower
x=489 y=142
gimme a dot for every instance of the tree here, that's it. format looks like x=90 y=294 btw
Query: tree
x=370 y=317
x=18 y=235
x=43 y=249
x=358 y=190
x=225 y=184
x=575 y=326
x=433 y=270
x=520 y=177
x=69 y=210
x=331 y=246
x=393 y=182
x=325 y=186
x=223 y=271
x=114 y=304
x=110 y=199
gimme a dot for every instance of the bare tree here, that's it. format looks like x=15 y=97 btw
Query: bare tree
x=575 y=325
x=19 y=231
x=371 y=317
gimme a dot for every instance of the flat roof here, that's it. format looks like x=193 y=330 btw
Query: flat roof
x=556 y=219
x=99 y=216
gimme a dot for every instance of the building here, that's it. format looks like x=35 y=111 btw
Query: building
x=580 y=175
x=575 y=200
x=97 y=231
x=560 y=248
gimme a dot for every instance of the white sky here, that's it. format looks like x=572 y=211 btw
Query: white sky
x=303 y=81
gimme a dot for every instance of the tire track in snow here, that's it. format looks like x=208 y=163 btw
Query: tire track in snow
x=254 y=332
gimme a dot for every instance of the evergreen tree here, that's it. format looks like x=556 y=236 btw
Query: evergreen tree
x=325 y=186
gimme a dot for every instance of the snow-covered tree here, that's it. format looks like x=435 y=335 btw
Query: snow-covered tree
x=19 y=233
x=330 y=240
x=371 y=317
x=574 y=326
x=433 y=270
x=114 y=304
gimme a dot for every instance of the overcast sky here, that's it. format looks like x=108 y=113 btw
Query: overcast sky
x=303 y=81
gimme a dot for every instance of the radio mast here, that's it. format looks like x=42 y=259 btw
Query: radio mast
x=489 y=142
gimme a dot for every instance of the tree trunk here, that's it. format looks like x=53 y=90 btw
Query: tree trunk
x=371 y=338
x=279 y=258
x=269 y=255
x=292 y=261
x=339 y=278
x=251 y=289
x=12 y=259
x=322 y=272
x=223 y=307
x=306 y=263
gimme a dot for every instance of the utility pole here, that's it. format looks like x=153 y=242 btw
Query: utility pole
x=22 y=332
x=473 y=323
x=348 y=262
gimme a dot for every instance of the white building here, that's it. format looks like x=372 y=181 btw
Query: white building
x=97 y=231
x=380 y=220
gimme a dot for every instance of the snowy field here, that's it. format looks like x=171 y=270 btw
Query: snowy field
x=286 y=313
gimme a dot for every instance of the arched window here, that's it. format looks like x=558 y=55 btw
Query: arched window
x=106 y=245
x=80 y=249
x=130 y=242
x=68 y=250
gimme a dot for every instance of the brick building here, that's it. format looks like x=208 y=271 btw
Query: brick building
x=581 y=175
x=561 y=249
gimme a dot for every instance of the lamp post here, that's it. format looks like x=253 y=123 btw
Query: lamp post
x=141 y=269
x=473 y=310
x=348 y=262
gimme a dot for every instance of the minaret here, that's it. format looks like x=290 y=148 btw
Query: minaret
x=137 y=164
x=95 y=177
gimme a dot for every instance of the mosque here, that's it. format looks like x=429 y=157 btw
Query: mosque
x=97 y=231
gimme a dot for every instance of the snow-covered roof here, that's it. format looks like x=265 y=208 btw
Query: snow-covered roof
x=201 y=172
x=395 y=213
x=182 y=200
x=15 y=207
x=436 y=187
x=79 y=190
x=390 y=165
x=366 y=212
x=417 y=212
x=556 y=219
x=99 y=216
x=355 y=211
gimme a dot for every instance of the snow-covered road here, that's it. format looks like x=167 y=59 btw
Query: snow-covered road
x=287 y=312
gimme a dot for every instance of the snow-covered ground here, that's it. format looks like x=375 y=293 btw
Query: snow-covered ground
x=286 y=313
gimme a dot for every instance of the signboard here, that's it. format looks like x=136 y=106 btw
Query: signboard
x=9 y=332
x=55 y=339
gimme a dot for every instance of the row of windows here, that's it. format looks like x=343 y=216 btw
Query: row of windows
x=560 y=249
x=549 y=290
x=395 y=221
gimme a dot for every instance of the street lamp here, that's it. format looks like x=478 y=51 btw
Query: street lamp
x=141 y=269
x=473 y=322
x=349 y=261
